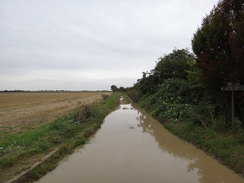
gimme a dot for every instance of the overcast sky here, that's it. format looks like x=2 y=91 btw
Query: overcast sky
x=90 y=44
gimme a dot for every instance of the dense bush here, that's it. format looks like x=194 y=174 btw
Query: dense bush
x=186 y=91
x=173 y=91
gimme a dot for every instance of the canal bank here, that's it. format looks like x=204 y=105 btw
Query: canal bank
x=133 y=147
x=42 y=148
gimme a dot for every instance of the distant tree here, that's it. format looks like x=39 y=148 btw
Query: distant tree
x=219 y=45
x=114 y=88
x=121 y=89
x=147 y=84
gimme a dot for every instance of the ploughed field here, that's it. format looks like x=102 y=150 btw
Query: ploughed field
x=21 y=111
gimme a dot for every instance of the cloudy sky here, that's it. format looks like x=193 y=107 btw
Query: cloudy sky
x=90 y=44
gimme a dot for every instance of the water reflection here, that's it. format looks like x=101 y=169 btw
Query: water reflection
x=208 y=169
x=133 y=147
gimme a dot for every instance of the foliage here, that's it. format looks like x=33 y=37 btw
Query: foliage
x=174 y=65
x=218 y=45
x=82 y=113
x=171 y=88
x=133 y=94
x=104 y=96
x=178 y=65
x=173 y=92
x=172 y=100
x=114 y=88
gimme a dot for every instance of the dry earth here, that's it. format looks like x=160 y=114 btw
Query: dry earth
x=20 y=111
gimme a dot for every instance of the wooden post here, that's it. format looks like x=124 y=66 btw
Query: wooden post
x=232 y=106
x=231 y=87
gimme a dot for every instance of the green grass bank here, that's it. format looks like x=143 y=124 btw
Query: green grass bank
x=19 y=151
x=204 y=131
x=227 y=147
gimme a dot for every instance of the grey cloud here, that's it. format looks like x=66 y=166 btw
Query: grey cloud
x=78 y=36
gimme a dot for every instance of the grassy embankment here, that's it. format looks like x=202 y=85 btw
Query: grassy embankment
x=200 y=128
x=173 y=92
x=226 y=147
x=19 y=151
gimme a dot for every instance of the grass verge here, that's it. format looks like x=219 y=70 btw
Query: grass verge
x=65 y=133
x=227 y=148
x=199 y=125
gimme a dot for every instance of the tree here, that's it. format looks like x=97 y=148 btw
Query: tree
x=180 y=64
x=174 y=65
x=114 y=88
x=219 y=45
x=122 y=89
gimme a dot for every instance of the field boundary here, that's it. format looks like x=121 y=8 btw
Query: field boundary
x=15 y=178
x=71 y=132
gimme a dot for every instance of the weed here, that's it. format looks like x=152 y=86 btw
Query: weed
x=79 y=142
x=104 y=96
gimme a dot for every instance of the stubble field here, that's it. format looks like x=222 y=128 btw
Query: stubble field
x=20 y=111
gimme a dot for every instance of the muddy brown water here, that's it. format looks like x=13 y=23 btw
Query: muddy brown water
x=132 y=147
